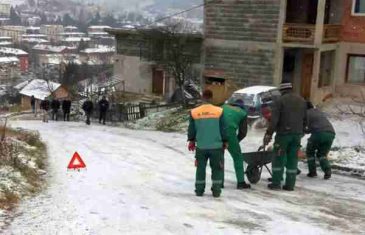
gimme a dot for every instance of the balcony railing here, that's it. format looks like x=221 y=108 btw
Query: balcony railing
x=331 y=33
x=305 y=33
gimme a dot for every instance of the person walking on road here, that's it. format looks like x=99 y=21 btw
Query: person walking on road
x=32 y=104
x=207 y=135
x=103 y=109
x=88 y=108
x=66 y=108
x=44 y=106
x=320 y=141
x=55 y=106
x=288 y=120
x=235 y=117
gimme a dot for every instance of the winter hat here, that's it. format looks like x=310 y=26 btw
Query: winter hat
x=285 y=86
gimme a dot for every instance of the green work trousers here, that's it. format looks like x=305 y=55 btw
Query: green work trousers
x=319 y=145
x=234 y=149
x=286 y=148
x=216 y=160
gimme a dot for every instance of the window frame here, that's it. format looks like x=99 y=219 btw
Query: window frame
x=353 y=13
x=348 y=69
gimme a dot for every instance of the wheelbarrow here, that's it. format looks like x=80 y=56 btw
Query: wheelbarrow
x=256 y=161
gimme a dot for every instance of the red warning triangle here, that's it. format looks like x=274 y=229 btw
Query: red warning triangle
x=76 y=162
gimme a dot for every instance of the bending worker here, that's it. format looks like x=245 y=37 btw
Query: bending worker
x=320 y=142
x=289 y=118
x=235 y=118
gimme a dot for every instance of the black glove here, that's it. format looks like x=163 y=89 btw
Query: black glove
x=267 y=139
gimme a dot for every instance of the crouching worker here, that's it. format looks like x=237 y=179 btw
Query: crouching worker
x=320 y=141
x=235 y=118
x=206 y=135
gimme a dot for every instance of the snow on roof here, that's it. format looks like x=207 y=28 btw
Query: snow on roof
x=6 y=43
x=36 y=40
x=21 y=85
x=256 y=89
x=76 y=39
x=100 y=49
x=34 y=36
x=99 y=27
x=71 y=33
x=56 y=49
x=8 y=60
x=97 y=33
x=41 y=89
x=70 y=27
x=33 y=28
x=5 y=38
x=12 y=51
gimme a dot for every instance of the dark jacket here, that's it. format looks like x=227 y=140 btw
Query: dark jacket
x=289 y=115
x=44 y=105
x=55 y=105
x=88 y=106
x=66 y=106
x=318 y=122
x=103 y=105
x=32 y=101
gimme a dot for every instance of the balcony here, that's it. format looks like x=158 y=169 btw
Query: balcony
x=305 y=33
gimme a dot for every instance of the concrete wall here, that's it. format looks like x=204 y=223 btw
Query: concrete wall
x=241 y=39
x=136 y=73
x=342 y=87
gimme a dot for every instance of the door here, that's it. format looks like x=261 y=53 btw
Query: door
x=157 y=82
x=307 y=72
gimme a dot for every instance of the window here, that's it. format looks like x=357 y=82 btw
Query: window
x=358 y=7
x=356 y=69
x=326 y=70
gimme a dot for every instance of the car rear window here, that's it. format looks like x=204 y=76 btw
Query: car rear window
x=268 y=97
x=248 y=99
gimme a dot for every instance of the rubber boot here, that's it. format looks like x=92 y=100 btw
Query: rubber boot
x=243 y=185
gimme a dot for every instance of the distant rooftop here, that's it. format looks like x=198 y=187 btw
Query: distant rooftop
x=76 y=39
x=100 y=49
x=55 y=49
x=99 y=27
x=12 y=51
x=8 y=60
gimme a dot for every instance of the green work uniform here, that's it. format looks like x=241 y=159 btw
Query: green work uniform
x=320 y=142
x=236 y=123
x=289 y=119
x=286 y=148
x=207 y=129
x=319 y=145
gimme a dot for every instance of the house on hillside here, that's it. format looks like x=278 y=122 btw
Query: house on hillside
x=20 y=54
x=41 y=90
x=138 y=60
x=318 y=45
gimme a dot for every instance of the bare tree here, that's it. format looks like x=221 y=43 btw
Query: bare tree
x=177 y=48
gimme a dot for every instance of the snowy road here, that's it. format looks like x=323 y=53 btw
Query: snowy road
x=142 y=183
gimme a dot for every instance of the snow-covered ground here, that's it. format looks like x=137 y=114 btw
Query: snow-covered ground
x=142 y=182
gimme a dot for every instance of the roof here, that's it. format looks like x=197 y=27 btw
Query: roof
x=255 y=89
x=41 y=89
x=21 y=85
x=8 y=60
x=6 y=38
x=76 y=39
x=70 y=27
x=34 y=36
x=36 y=40
x=72 y=33
x=100 y=27
x=12 y=51
x=56 y=49
x=100 y=49
x=6 y=43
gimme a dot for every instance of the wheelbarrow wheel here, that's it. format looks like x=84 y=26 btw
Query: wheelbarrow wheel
x=253 y=174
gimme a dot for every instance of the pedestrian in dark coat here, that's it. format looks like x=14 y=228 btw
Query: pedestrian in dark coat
x=88 y=108
x=66 y=107
x=288 y=121
x=32 y=103
x=103 y=108
x=55 y=106
x=44 y=106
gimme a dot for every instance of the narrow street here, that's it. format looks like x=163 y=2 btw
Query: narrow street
x=140 y=182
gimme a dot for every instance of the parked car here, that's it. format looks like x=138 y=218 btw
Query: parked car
x=256 y=98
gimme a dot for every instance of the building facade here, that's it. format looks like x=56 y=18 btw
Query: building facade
x=13 y=31
x=53 y=32
x=22 y=56
x=308 y=42
x=5 y=10
x=138 y=61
